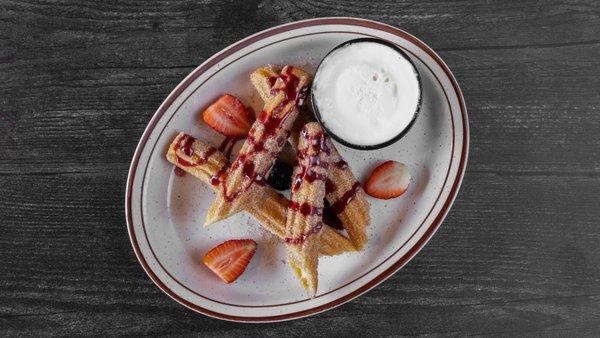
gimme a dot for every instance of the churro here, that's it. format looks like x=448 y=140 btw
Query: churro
x=305 y=211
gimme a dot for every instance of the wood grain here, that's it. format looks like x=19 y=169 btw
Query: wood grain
x=517 y=255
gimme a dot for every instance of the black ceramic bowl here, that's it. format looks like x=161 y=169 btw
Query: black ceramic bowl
x=402 y=132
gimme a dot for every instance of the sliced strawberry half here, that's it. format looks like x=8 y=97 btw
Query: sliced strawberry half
x=229 y=116
x=388 y=180
x=229 y=259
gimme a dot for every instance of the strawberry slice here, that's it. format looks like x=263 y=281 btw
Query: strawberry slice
x=229 y=259
x=229 y=116
x=388 y=180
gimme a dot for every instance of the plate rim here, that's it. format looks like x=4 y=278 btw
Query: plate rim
x=240 y=44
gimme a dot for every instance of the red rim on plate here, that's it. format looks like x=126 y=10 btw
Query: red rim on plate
x=240 y=45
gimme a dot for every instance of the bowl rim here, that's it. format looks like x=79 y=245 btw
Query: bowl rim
x=404 y=131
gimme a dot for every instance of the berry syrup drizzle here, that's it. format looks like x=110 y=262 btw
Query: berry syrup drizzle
x=340 y=205
x=184 y=145
x=302 y=238
x=305 y=208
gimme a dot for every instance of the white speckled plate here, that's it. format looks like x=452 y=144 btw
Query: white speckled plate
x=165 y=212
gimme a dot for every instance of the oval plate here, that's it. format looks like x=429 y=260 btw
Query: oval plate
x=165 y=212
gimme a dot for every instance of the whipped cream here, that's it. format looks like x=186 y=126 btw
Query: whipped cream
x=367 y=93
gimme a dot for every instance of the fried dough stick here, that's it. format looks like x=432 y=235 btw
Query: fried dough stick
x=305 y=211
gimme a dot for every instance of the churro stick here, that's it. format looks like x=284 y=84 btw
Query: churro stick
x=348 y=200
x=205 y=162
x=305 y=211
x=243 y=184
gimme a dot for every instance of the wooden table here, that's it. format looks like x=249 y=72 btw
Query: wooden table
x=518 y=254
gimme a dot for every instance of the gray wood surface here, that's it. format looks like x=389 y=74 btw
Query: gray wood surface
x=519 y=253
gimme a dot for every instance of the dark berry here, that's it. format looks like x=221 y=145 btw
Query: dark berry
x=280 y=177
x=330 y=218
